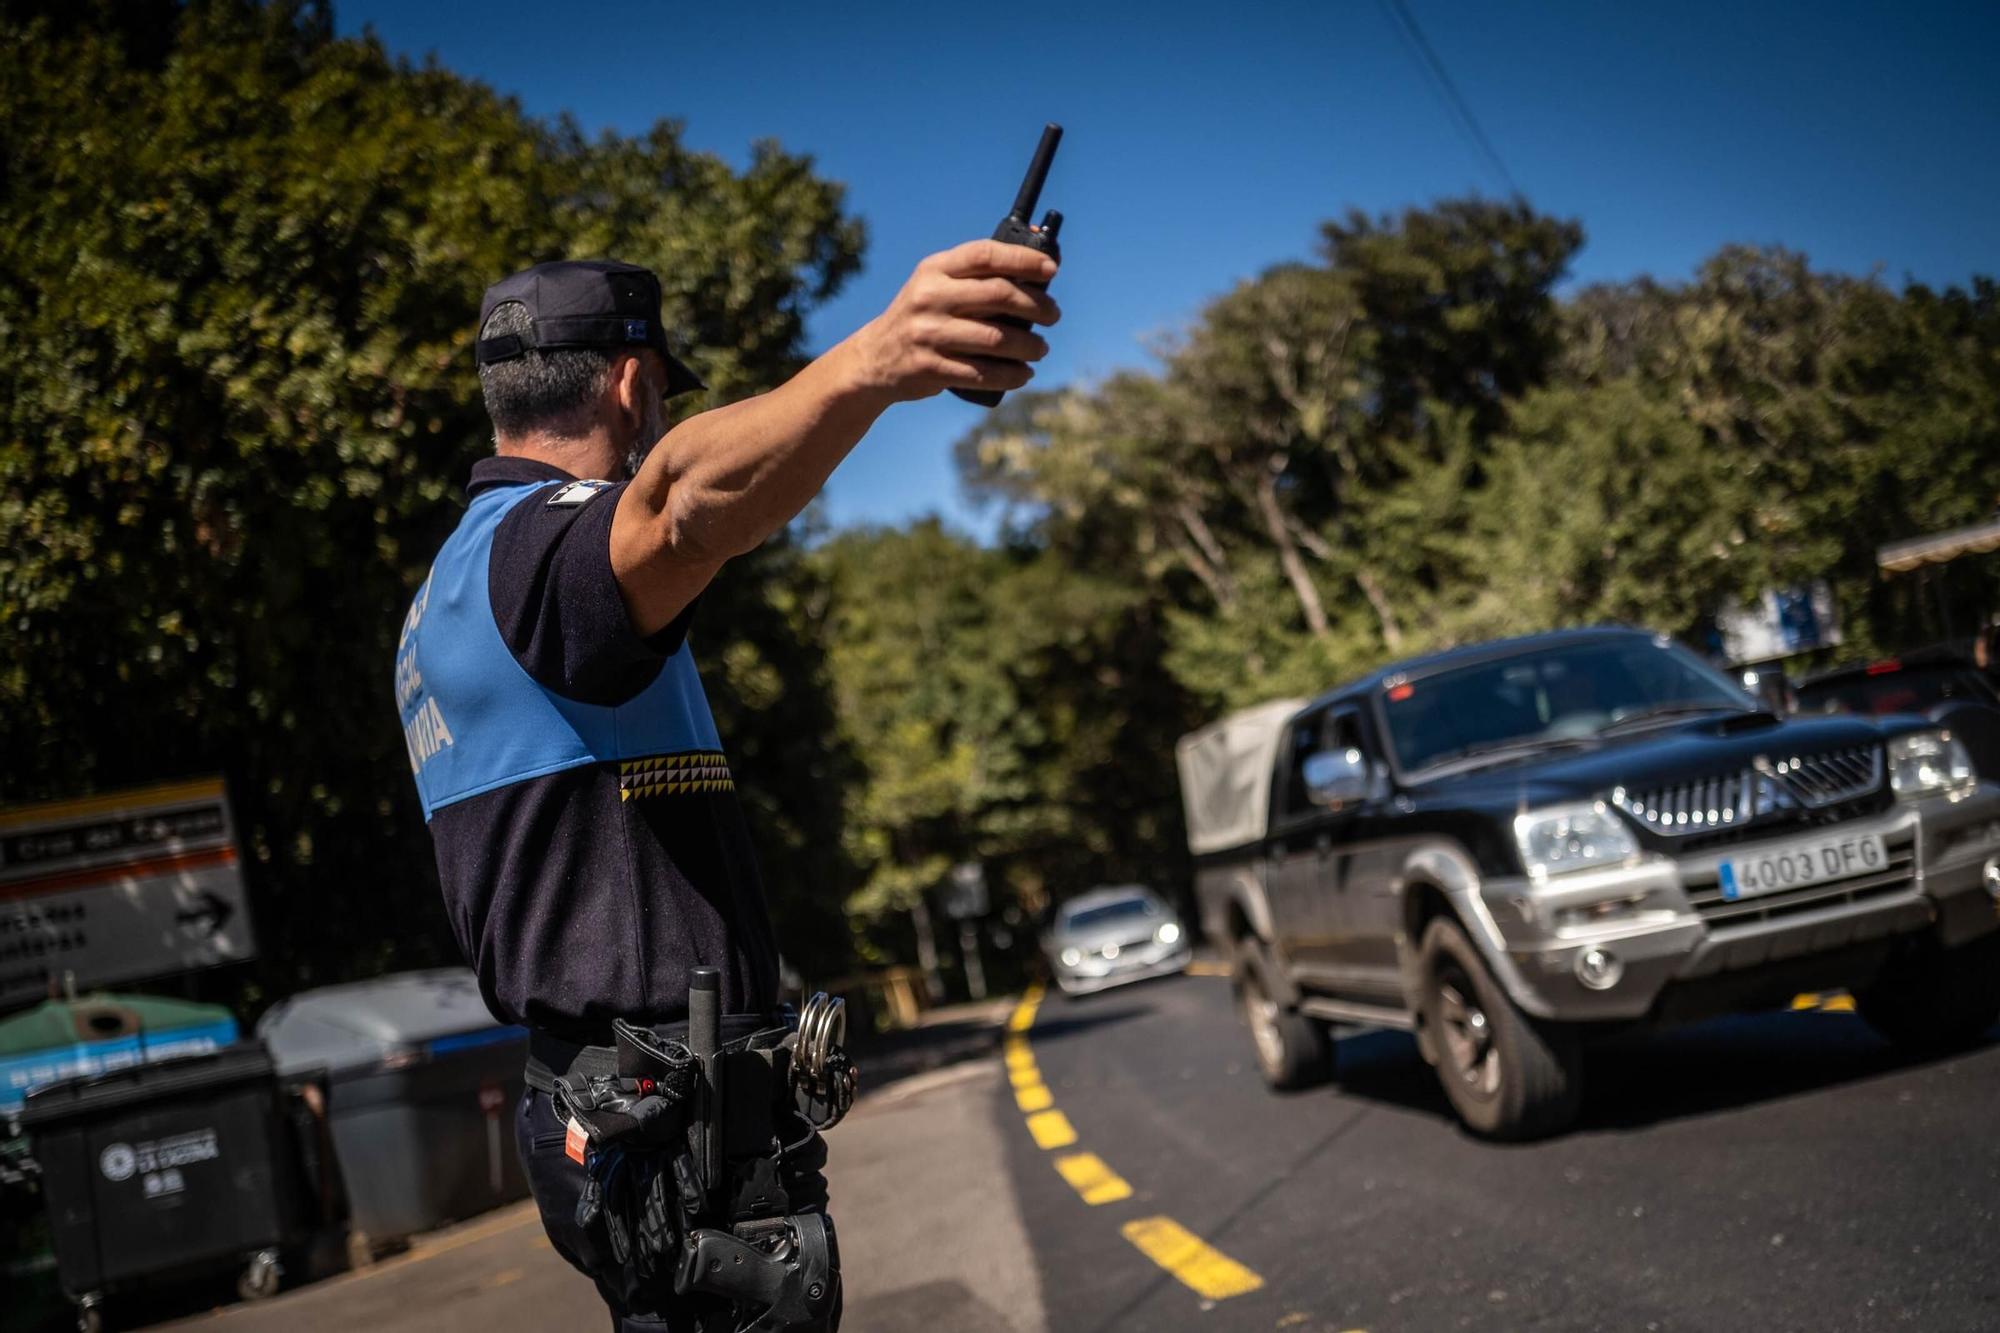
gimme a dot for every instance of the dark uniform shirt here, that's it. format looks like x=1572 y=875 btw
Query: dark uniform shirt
x=588 y=834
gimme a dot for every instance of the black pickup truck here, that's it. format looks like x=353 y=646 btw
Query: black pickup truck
x=1512 y=847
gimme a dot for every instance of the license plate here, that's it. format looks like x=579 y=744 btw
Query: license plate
x=1795 y=865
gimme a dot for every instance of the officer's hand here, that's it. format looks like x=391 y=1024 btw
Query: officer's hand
x=938 y=333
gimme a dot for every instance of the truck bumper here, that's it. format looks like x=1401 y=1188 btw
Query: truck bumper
x=1657 y=926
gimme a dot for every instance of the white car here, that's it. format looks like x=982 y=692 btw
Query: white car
x=1113 y=935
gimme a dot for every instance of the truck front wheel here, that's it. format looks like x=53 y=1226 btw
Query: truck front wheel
x=1507 y=1076
x=1292 y=1050
x=1936 y=1003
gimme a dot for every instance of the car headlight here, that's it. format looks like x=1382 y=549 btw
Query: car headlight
x=1168 y=933
x=1925 y=763
x=1563 y=838
x=1071 y=957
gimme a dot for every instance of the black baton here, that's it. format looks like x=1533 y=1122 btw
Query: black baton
x=705 y=1044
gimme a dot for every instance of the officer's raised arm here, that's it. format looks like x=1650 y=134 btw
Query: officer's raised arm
x=720 y=483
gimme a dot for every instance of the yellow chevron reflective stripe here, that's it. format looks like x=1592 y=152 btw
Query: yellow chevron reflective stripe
x=692 y=773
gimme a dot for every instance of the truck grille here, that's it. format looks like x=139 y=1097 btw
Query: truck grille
x=1705 y=891
x=1837 y=775
x=1789 y=784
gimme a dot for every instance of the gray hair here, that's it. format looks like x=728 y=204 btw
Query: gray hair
x=549 y=391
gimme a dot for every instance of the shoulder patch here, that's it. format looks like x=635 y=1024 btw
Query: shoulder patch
x=577 y=493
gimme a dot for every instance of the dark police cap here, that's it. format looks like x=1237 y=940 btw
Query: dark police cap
x=583 y=303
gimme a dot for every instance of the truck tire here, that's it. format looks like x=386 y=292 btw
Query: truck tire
x=1507 y=1076
x=1292 y=1050
x=1934 y=1003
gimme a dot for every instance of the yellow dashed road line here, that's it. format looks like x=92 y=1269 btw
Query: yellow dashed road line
x=1195 y=1262
x=1051 y=1129
x=1024 y=1012
x=1199 y=1266
x=1090 y=1177
x=1034 y=1097
x=1202 y=967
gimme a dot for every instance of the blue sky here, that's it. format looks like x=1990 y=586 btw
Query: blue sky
x=1205 y=142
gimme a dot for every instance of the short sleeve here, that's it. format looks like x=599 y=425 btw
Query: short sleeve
x=556 y=601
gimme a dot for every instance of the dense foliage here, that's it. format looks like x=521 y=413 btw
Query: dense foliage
x=239 y=271
x=1416 y=443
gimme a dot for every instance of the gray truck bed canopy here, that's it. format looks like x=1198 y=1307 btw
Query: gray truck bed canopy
x=1225 y=773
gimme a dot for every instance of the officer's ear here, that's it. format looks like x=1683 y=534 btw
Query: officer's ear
x=628 y=385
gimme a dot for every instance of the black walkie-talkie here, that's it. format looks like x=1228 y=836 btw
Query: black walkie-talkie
x=1016 y=230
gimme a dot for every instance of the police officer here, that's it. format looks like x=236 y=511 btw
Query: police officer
x=589 y=839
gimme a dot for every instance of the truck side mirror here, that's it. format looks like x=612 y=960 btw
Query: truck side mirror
x=1336 y=777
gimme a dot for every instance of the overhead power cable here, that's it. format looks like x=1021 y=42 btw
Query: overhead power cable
x=1455 y=105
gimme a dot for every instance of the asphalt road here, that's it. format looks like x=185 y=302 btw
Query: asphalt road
x=1785 y=1171
x=1115 y=1164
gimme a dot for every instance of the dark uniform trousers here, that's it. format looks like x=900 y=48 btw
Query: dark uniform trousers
x=557 y=1182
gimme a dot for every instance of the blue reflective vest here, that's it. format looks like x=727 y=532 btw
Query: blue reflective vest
x=474 y=720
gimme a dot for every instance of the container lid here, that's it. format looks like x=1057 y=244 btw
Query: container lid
x=54 y=1102
x=366 y=1022
x=100 y=1016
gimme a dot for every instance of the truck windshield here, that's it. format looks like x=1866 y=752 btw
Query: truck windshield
x=1549 y=696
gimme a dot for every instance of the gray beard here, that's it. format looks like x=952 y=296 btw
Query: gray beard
x=651 y=427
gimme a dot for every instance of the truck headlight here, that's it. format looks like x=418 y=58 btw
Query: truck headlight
x=1563 y=838
x=1925 y=763
x=1168 y=933
x=1071 y=957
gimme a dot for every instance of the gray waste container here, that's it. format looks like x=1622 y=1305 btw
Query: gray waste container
x=421 y=1089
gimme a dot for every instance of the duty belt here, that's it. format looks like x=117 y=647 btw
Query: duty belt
x=551 y=1057
x=686 y=1141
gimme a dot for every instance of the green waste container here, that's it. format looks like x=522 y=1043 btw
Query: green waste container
x=94 y=1033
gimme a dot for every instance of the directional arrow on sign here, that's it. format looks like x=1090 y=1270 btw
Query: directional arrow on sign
x=209 y=917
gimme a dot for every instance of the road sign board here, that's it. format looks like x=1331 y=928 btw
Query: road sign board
x=116 y=887
x=1781 y=622
x=965 y=891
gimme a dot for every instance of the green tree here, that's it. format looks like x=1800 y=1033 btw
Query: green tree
x=1291 y=483
x=1007 y=708
x=1605 y=503
x=1414 y=443
x=1830 y=413
x=239 y=271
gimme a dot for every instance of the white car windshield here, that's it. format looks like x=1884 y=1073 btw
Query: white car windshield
x=1101 y=914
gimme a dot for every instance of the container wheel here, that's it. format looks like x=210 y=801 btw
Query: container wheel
x=260 y=1277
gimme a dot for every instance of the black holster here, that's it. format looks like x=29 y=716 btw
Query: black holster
x=703 y=1164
